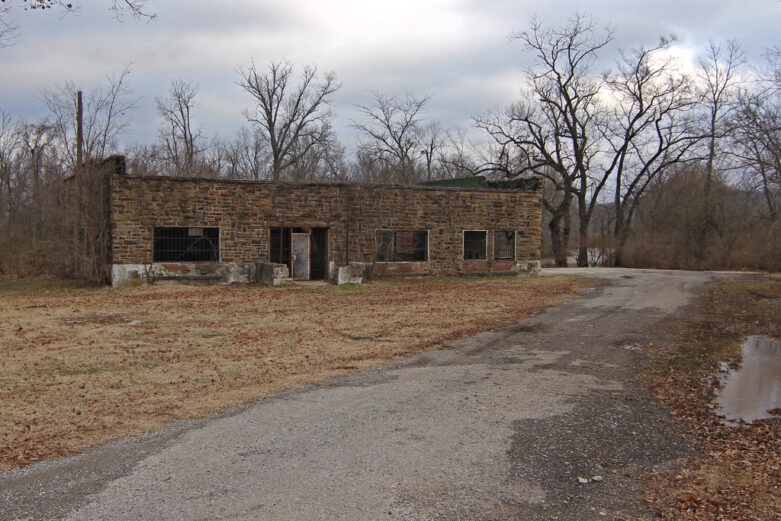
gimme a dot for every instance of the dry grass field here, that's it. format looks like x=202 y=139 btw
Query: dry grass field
x=80 y=367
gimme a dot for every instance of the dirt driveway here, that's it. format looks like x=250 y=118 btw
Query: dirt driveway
x=542 y=420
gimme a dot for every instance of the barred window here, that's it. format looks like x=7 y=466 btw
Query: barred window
x=475 y=245
x=402 y=245
x=186 y=244
x=504 y=245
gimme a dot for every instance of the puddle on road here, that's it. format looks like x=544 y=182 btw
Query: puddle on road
x=754 y=389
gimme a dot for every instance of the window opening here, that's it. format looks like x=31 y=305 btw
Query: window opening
x=402 y=245
x=280 y=246
x=186 y=244
x=504 y=245
x=474 y=245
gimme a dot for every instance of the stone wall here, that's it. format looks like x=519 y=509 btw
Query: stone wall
x=245 y=210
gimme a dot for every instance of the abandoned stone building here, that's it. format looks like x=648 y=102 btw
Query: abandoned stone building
x=218 y=230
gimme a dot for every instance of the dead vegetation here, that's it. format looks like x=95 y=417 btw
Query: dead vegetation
x=80 y=367
x=738 y=473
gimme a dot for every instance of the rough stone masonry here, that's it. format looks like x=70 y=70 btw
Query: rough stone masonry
x=349 y=215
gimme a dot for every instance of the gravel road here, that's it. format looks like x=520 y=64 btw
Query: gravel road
x=500 y=426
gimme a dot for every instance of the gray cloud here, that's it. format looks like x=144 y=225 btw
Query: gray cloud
x=455 y=50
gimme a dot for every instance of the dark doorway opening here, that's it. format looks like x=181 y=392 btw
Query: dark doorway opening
x=319 y=254
x=280 y=246
x=281 y=251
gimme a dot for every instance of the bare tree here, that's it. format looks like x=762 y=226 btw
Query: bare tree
x=458 y=156
x=121 y=8
x=248 y=156
x=647 y=129
x=133 y=8
x=757 y=136
x=36 y=139
x=9 y=171
x=719 y=83
x=293 y=118
x=758 y=148
x=550 y=133
x=587 y=134
x=30 y=194
x=391 y=132
x=105 y=110
x=431 y=140
x=182 y=145
x=322 y=161
x=146 y=160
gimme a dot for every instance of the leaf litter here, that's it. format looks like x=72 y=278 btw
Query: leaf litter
x=737 y=475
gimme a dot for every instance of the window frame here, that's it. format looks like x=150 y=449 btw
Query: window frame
x=513 y=234
x=485 y=245
x=212 y=234
x=391 y=255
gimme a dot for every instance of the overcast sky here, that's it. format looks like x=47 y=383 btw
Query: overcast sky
x=457 y=51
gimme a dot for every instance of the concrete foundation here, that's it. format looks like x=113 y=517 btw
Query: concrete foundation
x=272 y=274
x=352 y=274
x=275 y=274
x=186 y=272
x=529 y=268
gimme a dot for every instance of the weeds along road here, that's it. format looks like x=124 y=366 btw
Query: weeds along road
x=498 y=426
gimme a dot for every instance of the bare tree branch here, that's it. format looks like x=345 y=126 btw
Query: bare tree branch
x=182 y=145
x=9 y=31
x=648 y=129
x=294 y=118
x=551 y=133
x=757 y=133
x=105 y=112
x=391 y=133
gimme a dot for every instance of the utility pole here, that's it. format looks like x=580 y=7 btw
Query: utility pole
x=78 y=175
x=79 y=130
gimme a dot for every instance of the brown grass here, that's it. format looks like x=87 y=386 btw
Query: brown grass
x=80 y=367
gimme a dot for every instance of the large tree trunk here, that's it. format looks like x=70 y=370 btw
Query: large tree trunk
x=582 y=259
x=620 y=237
x=560 y=228
x=559 y=235
x=620 y=234
x=583 y=220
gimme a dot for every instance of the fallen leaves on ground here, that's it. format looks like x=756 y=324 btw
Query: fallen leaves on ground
x=738 y=473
